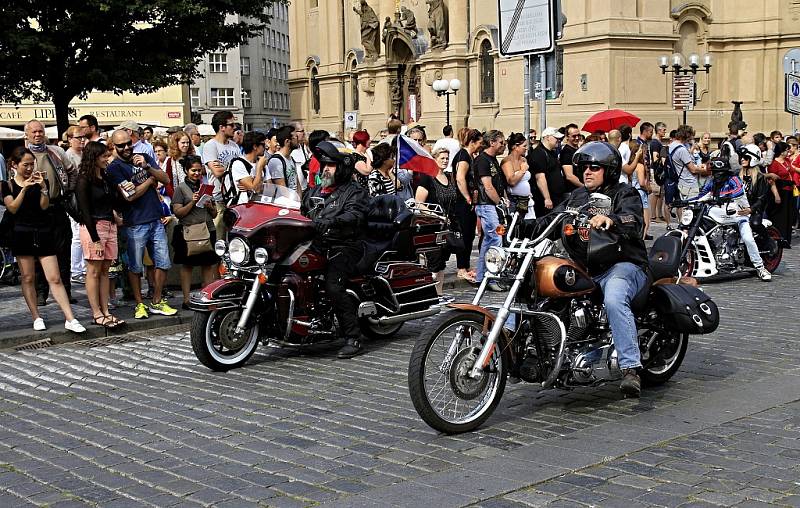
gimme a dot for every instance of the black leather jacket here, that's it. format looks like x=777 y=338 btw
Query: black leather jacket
x=342 y=216
x=627 y=214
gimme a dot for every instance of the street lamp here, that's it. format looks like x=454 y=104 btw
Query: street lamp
x=677 y=65
x=446 y=88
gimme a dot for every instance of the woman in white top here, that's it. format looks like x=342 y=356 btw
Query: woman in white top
x=179 y=146
x=515 y=169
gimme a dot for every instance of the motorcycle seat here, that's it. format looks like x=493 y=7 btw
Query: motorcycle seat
x=664 y=257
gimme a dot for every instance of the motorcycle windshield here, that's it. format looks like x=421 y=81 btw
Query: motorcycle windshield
x=278 y=195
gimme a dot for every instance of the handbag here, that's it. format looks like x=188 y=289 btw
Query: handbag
x=197 y=238
x=604 y=248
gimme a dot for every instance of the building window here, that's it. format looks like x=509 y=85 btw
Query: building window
x=314 y=4
x=194 y=97
x=244 y=65
x=264 y=67
x=264 y=101
x=262 y=38
x=247 y=127
x=487 y=72
x=315 y=102
x=222 y=97
x=218 y=62
x=247 y=101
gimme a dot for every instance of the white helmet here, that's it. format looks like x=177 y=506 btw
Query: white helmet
x=752 y=152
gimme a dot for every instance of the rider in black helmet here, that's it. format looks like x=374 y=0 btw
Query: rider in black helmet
x=623 y=275
x=338 y=207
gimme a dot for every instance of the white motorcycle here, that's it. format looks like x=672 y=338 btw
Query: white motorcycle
x=711 y=242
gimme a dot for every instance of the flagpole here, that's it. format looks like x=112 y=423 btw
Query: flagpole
x=397 y=164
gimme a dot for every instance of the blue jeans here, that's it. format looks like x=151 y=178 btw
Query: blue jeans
x=620 y=283
x=489 y=222
x=150 y=236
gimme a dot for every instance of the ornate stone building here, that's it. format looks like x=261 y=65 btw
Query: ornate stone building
x=382 y=56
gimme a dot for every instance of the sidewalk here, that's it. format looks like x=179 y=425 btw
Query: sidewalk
x=16 y=325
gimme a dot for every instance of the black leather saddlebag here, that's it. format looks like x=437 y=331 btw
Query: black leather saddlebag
x=685 y=309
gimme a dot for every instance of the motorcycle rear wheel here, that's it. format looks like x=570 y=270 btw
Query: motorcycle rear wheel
x=655 y=375
x=438 y=384
x=771 y=263
x=213 y=343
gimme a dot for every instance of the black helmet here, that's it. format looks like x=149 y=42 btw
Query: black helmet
x=327 y=153
x=599 y=153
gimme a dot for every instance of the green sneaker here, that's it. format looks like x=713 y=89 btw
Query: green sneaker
x=162 y=308
x=140 y=312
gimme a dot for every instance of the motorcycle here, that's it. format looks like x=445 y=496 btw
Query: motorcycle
x=561 y=339
x=711 y=244
x=273 y=287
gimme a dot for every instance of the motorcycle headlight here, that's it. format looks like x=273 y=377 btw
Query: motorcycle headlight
x=238 y=251
x=495 y=260
x=260 y=255
x=687 y=216
x=220 y=247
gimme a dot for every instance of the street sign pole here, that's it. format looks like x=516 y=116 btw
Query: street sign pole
x=542 y=94
x=794 y=116
x=526 y=97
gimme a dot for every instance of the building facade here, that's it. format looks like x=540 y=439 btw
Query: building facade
x=378 y=57
x=250 y=80
x=166 y=107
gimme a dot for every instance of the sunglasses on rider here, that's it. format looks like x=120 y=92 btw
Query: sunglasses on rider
x=593 y=169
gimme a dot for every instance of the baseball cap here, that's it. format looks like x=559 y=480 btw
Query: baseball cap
x=130 y=125
x=551 y=131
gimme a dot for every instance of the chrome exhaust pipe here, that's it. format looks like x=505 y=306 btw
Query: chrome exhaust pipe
x=400 y=318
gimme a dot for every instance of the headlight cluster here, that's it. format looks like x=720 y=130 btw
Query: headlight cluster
x=239 y=252
x=496 y=259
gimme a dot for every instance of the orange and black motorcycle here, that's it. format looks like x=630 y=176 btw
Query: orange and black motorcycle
x=561 y=336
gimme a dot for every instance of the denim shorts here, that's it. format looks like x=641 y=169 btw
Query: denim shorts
x=645 y=198
x=150 y=236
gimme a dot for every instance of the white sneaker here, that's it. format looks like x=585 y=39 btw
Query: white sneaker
x=38 y=325
x=74 y=326
x=764 y=274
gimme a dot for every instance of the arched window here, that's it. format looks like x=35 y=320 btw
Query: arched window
x=487 y=72
x=353 y=86
x=315 y=101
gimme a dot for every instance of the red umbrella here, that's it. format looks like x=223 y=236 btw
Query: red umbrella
x=609 y=120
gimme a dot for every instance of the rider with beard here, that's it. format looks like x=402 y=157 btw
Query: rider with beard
x=340 y=221
x=621 y=280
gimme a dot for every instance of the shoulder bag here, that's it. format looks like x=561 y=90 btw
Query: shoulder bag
x=197 y=238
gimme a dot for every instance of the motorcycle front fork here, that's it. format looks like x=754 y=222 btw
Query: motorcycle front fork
x=241 y=326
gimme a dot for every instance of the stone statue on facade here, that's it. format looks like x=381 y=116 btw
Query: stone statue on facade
x=387 y=26
x=437 y=22
x=370 y=30
x=737 y=119
x=408 y=21
x=396 y=94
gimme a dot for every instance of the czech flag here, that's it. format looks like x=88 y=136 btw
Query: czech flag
x=415 y=158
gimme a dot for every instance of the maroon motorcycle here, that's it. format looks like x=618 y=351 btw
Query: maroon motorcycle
x=273 y=287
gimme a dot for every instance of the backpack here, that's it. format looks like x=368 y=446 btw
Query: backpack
x=230 y=192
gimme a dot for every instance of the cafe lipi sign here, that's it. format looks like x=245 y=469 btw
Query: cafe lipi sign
x=11 y=115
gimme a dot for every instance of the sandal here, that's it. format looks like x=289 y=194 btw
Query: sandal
x=465 y=275
x=113 y=321
x=100 y=321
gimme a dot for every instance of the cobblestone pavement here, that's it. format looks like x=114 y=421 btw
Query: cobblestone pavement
x=141 y=423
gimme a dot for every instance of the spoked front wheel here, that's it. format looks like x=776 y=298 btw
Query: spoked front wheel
x=443 y=393
x=216 y=343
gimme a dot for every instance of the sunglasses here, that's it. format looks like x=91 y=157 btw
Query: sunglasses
x=593 y=169
x=123 y=146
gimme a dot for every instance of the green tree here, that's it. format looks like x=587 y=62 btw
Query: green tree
x=57 y=50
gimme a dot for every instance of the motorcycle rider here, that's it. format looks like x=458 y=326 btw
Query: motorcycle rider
x=621 y=280
x=338 y=207
x=726 y=184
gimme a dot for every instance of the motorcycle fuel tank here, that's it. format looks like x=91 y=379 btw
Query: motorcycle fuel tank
x=558 y=278
x=309 y=261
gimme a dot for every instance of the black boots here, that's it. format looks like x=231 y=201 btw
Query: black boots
x=631 y=385
x=351 y=348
